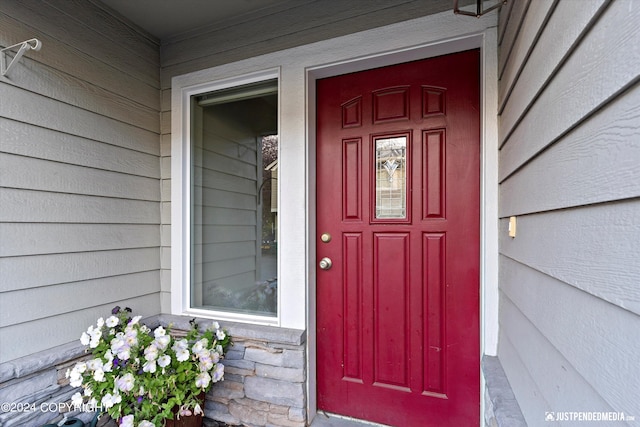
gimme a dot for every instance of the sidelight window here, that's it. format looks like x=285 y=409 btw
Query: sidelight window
x=233 y=223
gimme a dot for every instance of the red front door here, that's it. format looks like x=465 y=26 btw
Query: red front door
x=398 y=216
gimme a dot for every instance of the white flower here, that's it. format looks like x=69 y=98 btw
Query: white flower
x=159 y=332
x=94 y=364
x=215 y=356
x=218 y=373
x=182 y=355
x=88 y=392
x=220 y=334
x=93 y=336
x=112 y=322
x=131 y=337
x=124 y=353
x=98 y=375
x=180 y=345
x=202 y=380
x=145 y=423
x=77 y=400
x=108 y=400
x=164 y=360
x=149 y=366
x=126 y=382
x=75 y=378
x=100 y=323
x=127 y=421
x=197 y=410
x=206 y=363
x=200 y=345
x=162 y=342
x=135 y=320
x=85 y=338
x=215 y=325
x=80 y=367
x=117 y=343
x=151 y=353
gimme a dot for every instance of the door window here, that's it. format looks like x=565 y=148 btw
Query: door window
x=391 y=177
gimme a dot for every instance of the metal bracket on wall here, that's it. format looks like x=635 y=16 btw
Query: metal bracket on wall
x=33 y=44
x=480 y=10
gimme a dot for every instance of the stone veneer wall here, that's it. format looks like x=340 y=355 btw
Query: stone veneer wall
x=264 y=380
x=34 y=390
x=265 y=375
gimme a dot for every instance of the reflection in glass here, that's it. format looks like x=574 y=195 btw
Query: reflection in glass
x=391 y=180
x=234 y=204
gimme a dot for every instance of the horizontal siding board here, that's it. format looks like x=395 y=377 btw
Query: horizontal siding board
x=46 y=333
x=41 y=111
x=70 y=90
x=82 y=36
x=35 y=303
x=552 y=49
x=529 y=397
x=590 y=248
x=610 y=49
x=20 y=239
x=578 y=169
x=45 y=270
x=82 y=66
x=42 y=207
x=554 y=375
x=114 y=27
x=538 y=13
x=303 y=23
x=503 y=20
x=18 y=173
x=37 y=142
x=512 y=32
x=597 y=338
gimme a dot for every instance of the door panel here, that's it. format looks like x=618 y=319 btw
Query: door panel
x=398 y=190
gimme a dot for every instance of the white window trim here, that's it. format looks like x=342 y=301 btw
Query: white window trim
x=181 y=195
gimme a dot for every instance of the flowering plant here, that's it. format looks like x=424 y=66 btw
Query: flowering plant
x=138 y=376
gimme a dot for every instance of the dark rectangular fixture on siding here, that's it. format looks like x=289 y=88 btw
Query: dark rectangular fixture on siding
x=480 y=10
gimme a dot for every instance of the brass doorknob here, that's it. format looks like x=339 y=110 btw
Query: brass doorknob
x=325 y=263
